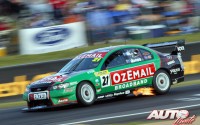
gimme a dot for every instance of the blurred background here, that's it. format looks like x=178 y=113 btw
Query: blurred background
x=44 y=30
x=38 y=37
x=102 y=20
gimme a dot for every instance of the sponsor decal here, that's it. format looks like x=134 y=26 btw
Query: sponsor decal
x=175 y=81
x=169 y=57
x=104 y=50
x=104 y=77
x=51 y=79
x=119 y=93
x=180 y=60
x=127 y=92
x=180 y=48
x=96 y=59
x=148 y=57
x=97 y=80
x=174 y=71
x=52 y=36
x=101 y=73
x=39 y=89
x=131 y=84
x=170 y=62
x=181 y=116
x=146 y=53
x=90 y=71
x=135 y=60
x=114 y=94
x=68 y=89
x=92 y=55
x=105 y=80
x=63 y=100
x=99 y=90
x=109 y=95
x=73 y=83
x=132 y=74
x=100 y=97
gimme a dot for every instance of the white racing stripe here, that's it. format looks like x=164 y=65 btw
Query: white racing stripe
x=127 y=115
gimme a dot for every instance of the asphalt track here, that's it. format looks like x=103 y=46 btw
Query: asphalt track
x=108 y=111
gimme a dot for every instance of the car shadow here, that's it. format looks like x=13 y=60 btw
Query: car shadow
x=96 y=104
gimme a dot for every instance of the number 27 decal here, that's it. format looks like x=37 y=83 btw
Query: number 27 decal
x=105 y=81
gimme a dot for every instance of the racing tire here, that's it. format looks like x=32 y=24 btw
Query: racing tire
x=85 y=94
x=161 y=82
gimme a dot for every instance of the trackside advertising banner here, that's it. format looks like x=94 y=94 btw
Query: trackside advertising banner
x=54 y=38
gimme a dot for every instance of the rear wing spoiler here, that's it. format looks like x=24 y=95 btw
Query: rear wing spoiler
x=178 y=44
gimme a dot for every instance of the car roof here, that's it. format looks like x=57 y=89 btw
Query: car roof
x=108 y=49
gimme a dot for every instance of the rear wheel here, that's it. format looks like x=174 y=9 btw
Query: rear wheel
x=85 y=94
x=161 y=82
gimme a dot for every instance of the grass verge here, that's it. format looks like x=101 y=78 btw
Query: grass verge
x=23 y=59
x=23 y=103
x=186 y=83
x=12 y=104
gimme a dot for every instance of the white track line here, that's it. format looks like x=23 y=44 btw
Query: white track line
x=127 y=115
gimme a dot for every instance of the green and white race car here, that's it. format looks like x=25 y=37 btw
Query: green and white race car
x=108 y=72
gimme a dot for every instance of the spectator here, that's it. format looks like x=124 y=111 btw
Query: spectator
x=12 y=7
x=123 y=5
x=72 y=13
x=4 y=26
x=142 y=3
x=188 y=8
x=100 y=24
x=196 y=4
x=122 y=11
x=57 y=6
x=177 y=5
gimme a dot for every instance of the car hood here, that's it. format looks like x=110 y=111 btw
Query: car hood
x=49 y=80
x=58 y=77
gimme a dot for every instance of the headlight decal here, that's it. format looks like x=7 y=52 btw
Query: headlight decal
x=60 y=86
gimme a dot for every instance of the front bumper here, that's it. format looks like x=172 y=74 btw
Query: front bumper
x=45 y=107
x=55 y=97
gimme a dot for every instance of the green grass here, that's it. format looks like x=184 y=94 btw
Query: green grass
x=187 y=83
x=12 y=104
x=24 y=59
x=23 y=103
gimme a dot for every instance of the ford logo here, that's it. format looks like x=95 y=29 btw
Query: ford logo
x=51 y=36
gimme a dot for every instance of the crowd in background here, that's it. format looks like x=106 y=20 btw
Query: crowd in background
x=105 y=19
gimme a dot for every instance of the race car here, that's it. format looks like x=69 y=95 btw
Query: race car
x=109 y=72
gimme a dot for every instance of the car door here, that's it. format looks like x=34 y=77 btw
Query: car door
x=116 y=61
x=141 y=64
x=126 y=69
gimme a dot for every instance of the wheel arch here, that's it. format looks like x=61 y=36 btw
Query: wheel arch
x=88 y=82
x=156 y=87
x=167 y=70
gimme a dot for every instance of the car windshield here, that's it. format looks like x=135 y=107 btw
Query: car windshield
x=83 y=62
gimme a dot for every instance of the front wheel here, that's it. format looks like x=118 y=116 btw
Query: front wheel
x=161 y=82
x=85 y=94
